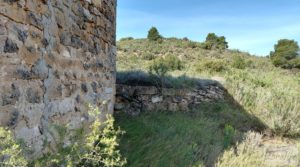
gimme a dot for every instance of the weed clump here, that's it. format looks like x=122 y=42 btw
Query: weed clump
x=239 y=62
x=212 y=66
x=10 y=151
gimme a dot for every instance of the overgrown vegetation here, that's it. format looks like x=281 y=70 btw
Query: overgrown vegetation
x=211 y=66
x=248 y=153
x=93 y=148
x=197 y=138
x=159 y=68
x=97 y=147
x=11 y=154
x=270 y=93
x=266 y=92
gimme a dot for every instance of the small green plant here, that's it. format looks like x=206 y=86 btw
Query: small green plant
x=229 y=133
x=102 y=143
x=11 y=154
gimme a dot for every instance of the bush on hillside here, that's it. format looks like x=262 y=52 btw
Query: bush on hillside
x=148 y=56
x=127 y=39
x=185 y=39
x=285 y=54
x=173 y=63
x=158 y=71
x=211 y=66
x=153 y=34
x=214 y=42
x=192 y=44
x=161 y=66
x=239 y=62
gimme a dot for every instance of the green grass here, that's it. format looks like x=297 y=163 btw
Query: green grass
x=196 y=138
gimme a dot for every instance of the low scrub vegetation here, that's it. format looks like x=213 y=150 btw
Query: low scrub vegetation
x=211 y=66
x=263 y=88
x=98 y=147
x=248 y=153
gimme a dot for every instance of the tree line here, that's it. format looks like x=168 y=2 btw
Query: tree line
x=286 y=52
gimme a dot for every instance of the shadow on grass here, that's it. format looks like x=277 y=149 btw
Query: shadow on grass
x=194 y=138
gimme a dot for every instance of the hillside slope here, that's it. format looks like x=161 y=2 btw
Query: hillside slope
x=269 y=94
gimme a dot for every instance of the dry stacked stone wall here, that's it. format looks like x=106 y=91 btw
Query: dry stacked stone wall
x=136 y=99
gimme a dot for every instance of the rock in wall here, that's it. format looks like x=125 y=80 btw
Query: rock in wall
x=56 y=56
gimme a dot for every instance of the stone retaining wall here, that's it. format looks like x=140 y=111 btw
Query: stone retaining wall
x=136 y=99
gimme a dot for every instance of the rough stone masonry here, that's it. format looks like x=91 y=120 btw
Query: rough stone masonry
x=56 y=56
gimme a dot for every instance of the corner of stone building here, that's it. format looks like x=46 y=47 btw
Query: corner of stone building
x=55 y=57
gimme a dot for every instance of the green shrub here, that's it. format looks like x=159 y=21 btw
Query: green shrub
x=102 y=144
x=10 y=151
x=163 y=65
x=158 y=71
x=239 y=62
x=173 y=63
x=286 y=51
x=211 y=66
x=98 y=147
x=214 y=42
x=185 y=39
x=153 y=34
x=127 y=39
x=192 y=44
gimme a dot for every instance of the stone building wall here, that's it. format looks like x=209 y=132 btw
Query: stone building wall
x=56 y=56
x=136 y=99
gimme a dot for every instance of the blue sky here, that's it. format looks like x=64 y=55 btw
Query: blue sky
x=249 y=25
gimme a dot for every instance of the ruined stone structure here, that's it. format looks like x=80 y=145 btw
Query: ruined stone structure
x=136 y=99
x=56 y=56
